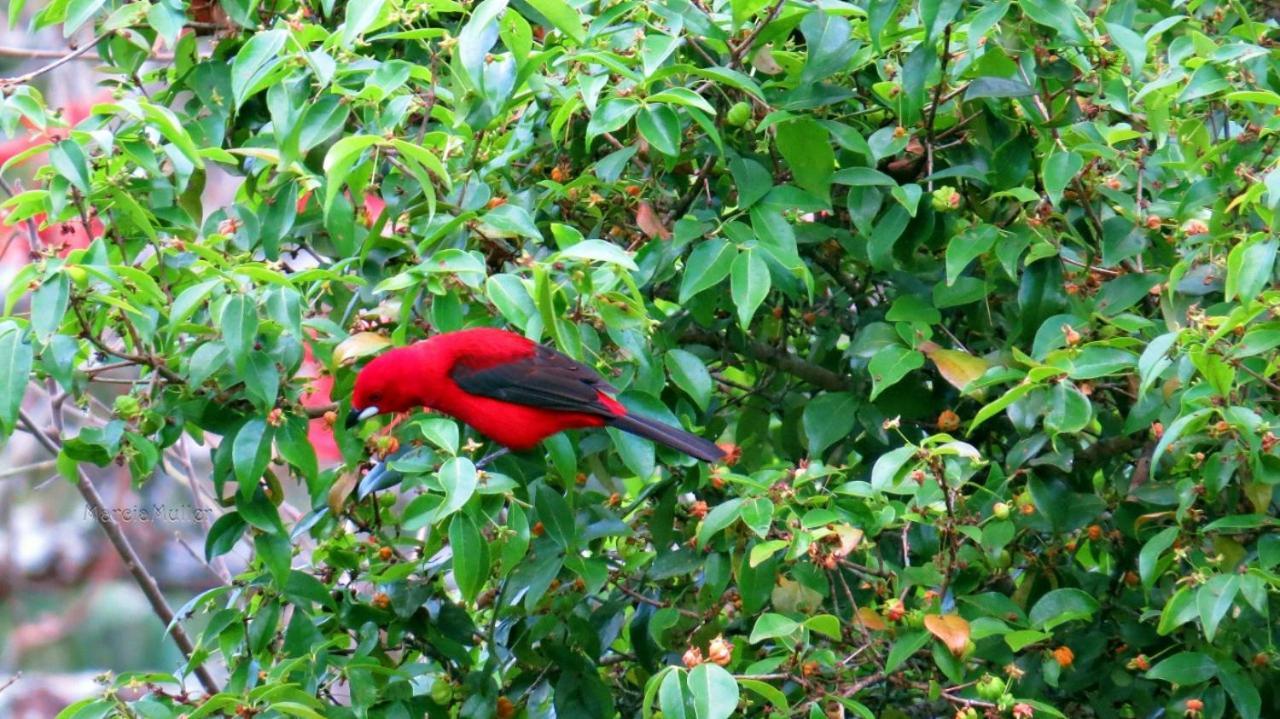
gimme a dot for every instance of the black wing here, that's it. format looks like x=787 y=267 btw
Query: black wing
x=545 y=379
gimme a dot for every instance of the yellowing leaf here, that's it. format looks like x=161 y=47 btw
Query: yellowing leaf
x=790 y=597
x=763 y=61
x=952 y=629
x=649 y=223
x=850 y=538
x=360 y=344
x=870 y=619
x=341 y=491
x=958 y=368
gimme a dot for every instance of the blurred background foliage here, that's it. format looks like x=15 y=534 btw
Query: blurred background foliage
x=981 y=296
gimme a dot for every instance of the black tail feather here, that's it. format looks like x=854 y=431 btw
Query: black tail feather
x=673 y=437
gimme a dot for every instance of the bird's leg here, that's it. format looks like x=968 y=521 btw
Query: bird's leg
x=491 y=456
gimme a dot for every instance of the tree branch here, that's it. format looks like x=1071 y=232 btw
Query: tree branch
x=781 y=359
x=62 y=60
x=124 y=548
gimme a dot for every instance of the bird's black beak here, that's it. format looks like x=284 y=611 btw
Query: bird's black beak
x=355 y=417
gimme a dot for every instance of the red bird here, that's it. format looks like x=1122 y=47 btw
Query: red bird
x=509 y=388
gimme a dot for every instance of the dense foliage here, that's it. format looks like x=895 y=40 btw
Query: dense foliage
x=980 y=293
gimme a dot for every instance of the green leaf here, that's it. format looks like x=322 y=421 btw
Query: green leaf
x=276 y=554
x=253 y=61
x=1097 y=361
x=764 y=550
x=1250 y=266
x=828 y=44
x=1024 y=638
x=967 y=246
x=827 y=419
x=470 y=556
x=459 y=478
x=1174 y=431
x=513 y=220
x=708 y=264
x=1060 y=168
x=1214 y=599
x=599 y=251
x=261 y=380
x=68 y=160
x=1241 y=690
x=359 y=18
x=1069 y=409
x=721 y=516
x=690 y=375
x=890 y=365
x=772 y=626
x=1055 y=15
x=250 y=454
x=1061 y=606
x=1132 y=45
x=16 y=358
x=752 y=179
x=1149 y=556
x=906 y=645
x=339 y=160
x=673 y=698
x=660 y=126
x=806 y=146
x=562 y=16
x=715 y=693
x=749 y=284
x=49 y=306
x=78 y=11
x=767 y=692
x=477 y=37
x=555 y=515
x=757 y=514
x=239 y=324
x=997 y=87
x=888 y=465
x=1184 y=669
x=223 y=535
x=611 y=115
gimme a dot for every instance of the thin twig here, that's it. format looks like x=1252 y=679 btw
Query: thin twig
x=736 y=55
x=62 y=60
x=33 y=232
x=10 y=682
x=686 y=201
x=861 y=684
x=26 y=468
x=143 y=578
x=31 y=53
x=933 y=109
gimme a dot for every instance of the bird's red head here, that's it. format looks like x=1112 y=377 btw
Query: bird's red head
x=381 y=387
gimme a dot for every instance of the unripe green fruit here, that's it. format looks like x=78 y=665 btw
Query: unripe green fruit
x=738 y=114
x=441 y=692
x=991 y=687
x=127 y=406
x=1000 y=510
x=945 y=199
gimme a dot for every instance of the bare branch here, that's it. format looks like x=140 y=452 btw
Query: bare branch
x=62 y=60
x=124 y=548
